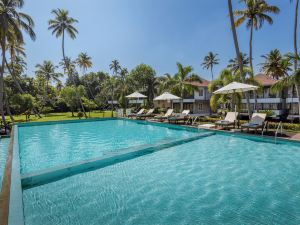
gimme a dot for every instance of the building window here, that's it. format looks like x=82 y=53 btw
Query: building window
x=200 y=107
x=201 y=92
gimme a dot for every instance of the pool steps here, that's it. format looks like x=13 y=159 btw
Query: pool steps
x=49 y=175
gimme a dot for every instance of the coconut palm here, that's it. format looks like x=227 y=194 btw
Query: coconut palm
x=165 y=83
x=209 y=62
x=61 y=25
x=237 y=50
x=115 y=67
x=275 y=65
x=12 y=23
x=108 y=87
x=84 y=62
x=181 y=84
x=48 y=71
x=255 y=14
x=234 y=63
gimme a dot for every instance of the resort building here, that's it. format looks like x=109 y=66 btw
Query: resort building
x=265 y=99
x=198 y=103
x=292 y=102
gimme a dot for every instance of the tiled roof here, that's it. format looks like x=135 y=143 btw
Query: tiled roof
x=265 y=80
x=204 y=83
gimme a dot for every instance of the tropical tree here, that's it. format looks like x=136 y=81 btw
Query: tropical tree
x=84 y=62
x=275 y=65
x=12 y=23
x=124 y=86
x=255 y=14
x=234 y=63
x=226 y=77
x=165 y=83
x=144 y=80
x=48 y=71
x=209 y=62
x=61 y=25
x=237 y=50
x=182 y=80
x=108 y=88
x=115 y=67
x=70 y=95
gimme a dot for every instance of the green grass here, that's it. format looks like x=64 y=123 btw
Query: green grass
x=59 y=116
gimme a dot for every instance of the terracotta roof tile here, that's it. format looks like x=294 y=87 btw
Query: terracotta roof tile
x=265 y=80
x=204 y=83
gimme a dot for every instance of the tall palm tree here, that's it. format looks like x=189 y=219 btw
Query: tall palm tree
x=295 y=35
x=275 y=65
x=84 y=62
x=48 y=71
x=165 y=83
x=61 y=25
x=181 y=81
x=234 y=63
x=115 y=67
x=237 y=50
x=255 y=14
x=12 y=23
x=296 y=55
x=209 y=62
x=109 y=86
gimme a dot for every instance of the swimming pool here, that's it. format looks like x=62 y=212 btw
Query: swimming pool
x=3 y=155
x=51 y=145
x=220 y=179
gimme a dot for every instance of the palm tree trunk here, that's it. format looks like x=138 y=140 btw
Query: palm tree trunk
x=3 y=43
x=212 y=74
x=112 y=101
x=12 y=73
x=237 y=50
x=250 y=48
x=296 y=53
x=71 y=75
x=8 y=109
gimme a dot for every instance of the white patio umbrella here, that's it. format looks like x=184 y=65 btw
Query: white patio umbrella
x=136 y=95
x=166 y=96
x=235 y=87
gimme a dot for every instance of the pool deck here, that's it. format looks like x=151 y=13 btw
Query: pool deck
x=8 y=189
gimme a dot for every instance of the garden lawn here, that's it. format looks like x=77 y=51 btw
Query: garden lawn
x=59 y=116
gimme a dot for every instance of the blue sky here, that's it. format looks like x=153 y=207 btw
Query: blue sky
x=156 y=32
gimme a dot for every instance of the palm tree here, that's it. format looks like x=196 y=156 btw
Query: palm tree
x=84 y=62
x=237 y=50
x=234 y=63
x=115 y=67
x=296 y=55
x=209 y=61
x=12 y=22
x=275 y=65
x=226 y=77
x=61 y=25
x=109 y=86
x=255 y=14
x=181 y=81
x=47 y=70
x=165 y=83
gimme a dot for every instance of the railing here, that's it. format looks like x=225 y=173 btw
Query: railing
x=266 y=127
x=276 y=133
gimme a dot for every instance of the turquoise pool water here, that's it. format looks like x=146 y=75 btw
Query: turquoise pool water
x=219 y=179
x=3 y=155
x=47 y=146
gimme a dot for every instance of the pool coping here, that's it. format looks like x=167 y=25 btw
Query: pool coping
x=13 y=193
